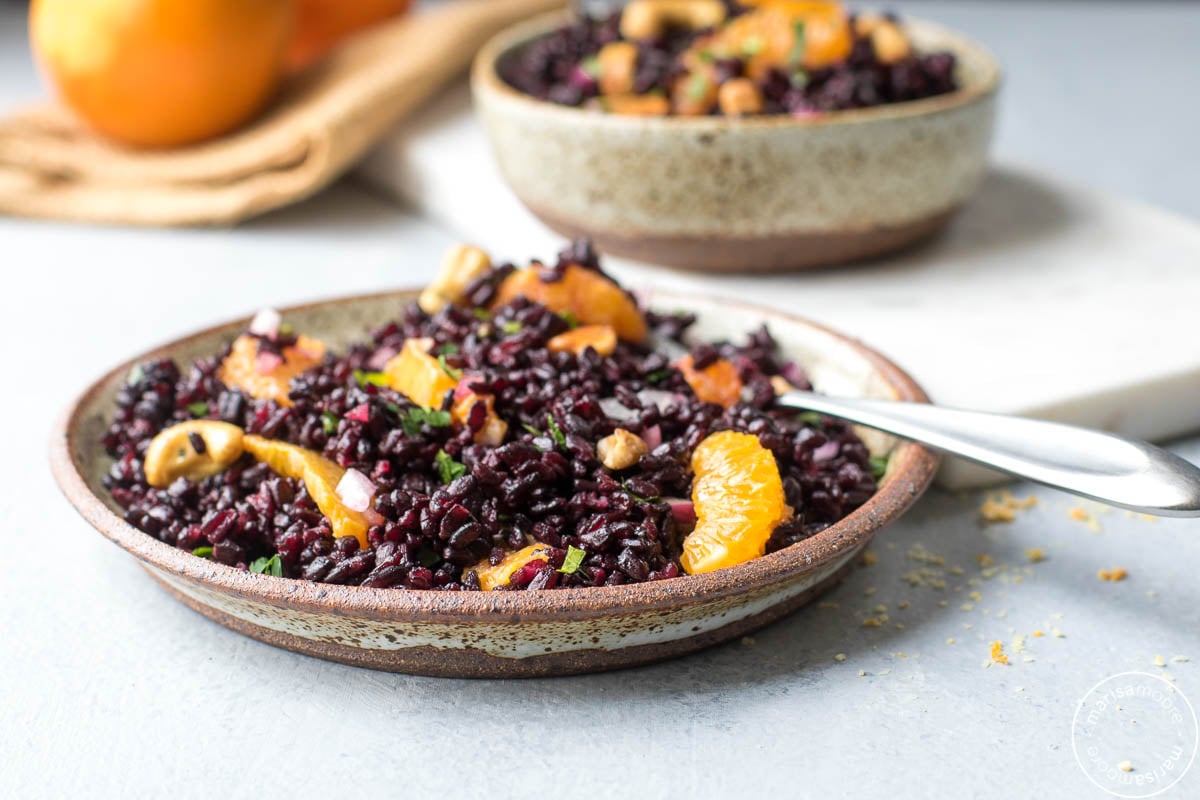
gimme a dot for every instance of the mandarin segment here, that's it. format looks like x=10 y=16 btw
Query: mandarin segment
x=420 y=377
x=784 y=34
x=601 y=338
x=491 y=577
x=591 y=297
x=321 y=478
x=718 y=383
x=738 y=497
x=243 y=369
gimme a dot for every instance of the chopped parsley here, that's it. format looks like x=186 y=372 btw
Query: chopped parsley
x=427 y=557
x=481 y=314
x=286 y=329
x=136 y=374
x=447 y=467
x=799 y=78
x=268 y=566
x=448 y=349
x=697 y=87
x=203 y=552
x=198 y=409
x=797 y=53
x=555 y=432
x=569 y=317
x=574 y=559
x=329 y=422
x=658 y=375
x=753 y=46
x=707 y=56
x=635 y=495
x=591 y=67
x=446 y=368
x=809 y=417
x=414 y=418
x=879 y=465
x=512 y=326
x=363 y=378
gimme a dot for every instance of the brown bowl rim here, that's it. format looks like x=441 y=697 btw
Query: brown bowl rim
x=910 y=472
x=484 y=77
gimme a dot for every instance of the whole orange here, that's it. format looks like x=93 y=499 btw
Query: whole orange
x=162 y=73
x=321 y=24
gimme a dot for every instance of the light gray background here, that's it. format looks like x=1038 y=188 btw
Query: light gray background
x=110 y=689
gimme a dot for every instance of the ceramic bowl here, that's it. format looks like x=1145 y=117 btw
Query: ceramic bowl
x=761 y=194
x=500 y=634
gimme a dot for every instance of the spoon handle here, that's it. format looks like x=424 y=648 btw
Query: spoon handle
x=1102 y=466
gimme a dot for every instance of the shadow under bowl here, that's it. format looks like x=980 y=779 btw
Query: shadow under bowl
x=507 y=634
x=756 y=194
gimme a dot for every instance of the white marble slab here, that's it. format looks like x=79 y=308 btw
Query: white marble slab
x=1042 y=298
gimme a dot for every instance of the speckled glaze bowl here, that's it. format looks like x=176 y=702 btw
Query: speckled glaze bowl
x=507 y=634
x=762 y=194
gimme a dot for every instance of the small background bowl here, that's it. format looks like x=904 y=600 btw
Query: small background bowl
x=508 y=634
x=762 y=194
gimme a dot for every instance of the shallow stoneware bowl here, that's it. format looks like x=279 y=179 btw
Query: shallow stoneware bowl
x=761 y=194
x=500 y=634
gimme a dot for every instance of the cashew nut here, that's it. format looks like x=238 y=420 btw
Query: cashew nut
x=739 y=96
x=890 y=43
x=460 y=266
x=618 y=67
x=172 y=455
x=621 y=449
x=648 y=19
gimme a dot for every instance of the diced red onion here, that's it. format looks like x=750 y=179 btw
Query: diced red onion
x=266 y=323
x=827 y=451
x=614 y=409
x=360 y=413
x=356 y=490
x=380 y=357
x=658 y=397
x=266 y=362
x=579 y=78
x=683 y=511
x=652 y=436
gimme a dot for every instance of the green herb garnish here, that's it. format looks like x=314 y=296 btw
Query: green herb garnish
x=570 y=318
x=427 y=557
x=658 y=375
x=809 y=417
x=707 y=56
x=203 y=552
x=448 y=468
x=531 y=429
x=697 y=87
x=591 y=67
x=481 y=314
x=286 y=329
x=329 y=422
x=268 y=566
x=799 y=78
x=446 y=368
x=879 y=465
x=797 y=53
x=574 y=558
x=635 y=495
x=362 y=378
x=512 y=326
x=555 y=432
x=414 y=418
x=448 y=349
x=753 y=46
x=136 y=374
x=198 y=409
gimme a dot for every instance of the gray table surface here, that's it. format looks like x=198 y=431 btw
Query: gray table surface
x=110 y=689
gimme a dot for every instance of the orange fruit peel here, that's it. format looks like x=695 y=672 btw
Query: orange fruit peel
x=718 y=383
x=321 y=478
x=268 y=378
x=738 y=497
x=592 y=298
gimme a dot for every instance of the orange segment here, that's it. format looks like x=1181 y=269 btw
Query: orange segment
x=241 y=368
x=717 y=383
x=490 y=577
x=321 y=477
x=592 y=298
x=601 y=338
x=739 y=501
x=419 y=376
x=636 y=105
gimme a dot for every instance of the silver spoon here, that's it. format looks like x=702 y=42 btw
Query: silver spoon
x=1121 y=472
